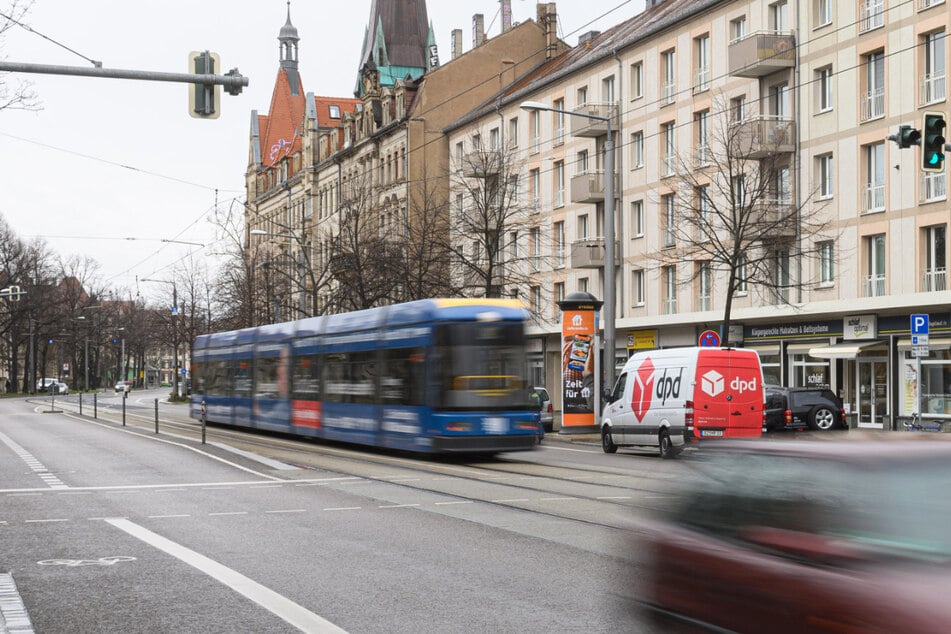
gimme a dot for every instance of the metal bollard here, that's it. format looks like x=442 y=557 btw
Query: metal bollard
x=203 y=421
x=80 y=403
x=156 y=416
x=123 y=408
x=95 y=404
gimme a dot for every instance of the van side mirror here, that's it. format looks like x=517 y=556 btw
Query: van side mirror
x=607 y=396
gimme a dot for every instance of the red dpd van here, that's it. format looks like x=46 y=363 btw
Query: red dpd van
x=664 y=397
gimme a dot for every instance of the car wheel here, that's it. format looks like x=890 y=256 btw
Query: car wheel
x=666 y=447
x=822 y=418
x=607 y=443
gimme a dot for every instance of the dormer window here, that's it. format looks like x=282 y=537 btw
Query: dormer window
x=334 y=112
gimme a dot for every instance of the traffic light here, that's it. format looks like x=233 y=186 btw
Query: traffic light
x=932 y=142
x=203 y=98
x=907 y=136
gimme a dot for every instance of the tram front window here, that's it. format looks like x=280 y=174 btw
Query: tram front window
x=479 y=366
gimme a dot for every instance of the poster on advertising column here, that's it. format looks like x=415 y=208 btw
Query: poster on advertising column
x=579 y=363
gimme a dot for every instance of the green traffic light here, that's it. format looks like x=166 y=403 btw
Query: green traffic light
x=932 y=141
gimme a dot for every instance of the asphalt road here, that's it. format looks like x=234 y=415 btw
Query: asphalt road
x=105 y=528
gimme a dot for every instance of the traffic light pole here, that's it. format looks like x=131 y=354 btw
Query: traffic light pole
x=232 y=81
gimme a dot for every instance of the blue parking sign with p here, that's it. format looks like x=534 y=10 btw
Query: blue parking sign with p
x=919 y=324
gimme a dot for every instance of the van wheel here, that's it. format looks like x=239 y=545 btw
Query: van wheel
x=666 y=447
x=607 y=443
x=821 y=419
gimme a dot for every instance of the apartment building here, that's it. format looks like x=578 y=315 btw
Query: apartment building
x=814 y=87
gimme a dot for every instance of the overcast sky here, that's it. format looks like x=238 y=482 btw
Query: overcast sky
x=106 y=160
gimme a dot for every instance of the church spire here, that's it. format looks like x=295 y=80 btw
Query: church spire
x=289 y=39
x=398 y=41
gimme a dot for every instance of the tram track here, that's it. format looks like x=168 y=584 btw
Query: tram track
x=510 y=483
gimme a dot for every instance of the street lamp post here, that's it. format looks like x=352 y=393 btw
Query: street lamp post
x=303 y=265
x=609 y=271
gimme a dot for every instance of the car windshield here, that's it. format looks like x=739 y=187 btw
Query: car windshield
x=888 y=508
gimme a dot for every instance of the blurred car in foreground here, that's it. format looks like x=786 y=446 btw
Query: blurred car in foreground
x=802 y=407
x=824 y=535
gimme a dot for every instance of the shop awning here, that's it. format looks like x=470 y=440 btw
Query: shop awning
x=799 y=348
x=765 y=350
x=846 y=350
x=939 y=343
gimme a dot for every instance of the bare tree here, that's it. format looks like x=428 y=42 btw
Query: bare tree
x=732 y=213
x=496 y=243
x=237 y=302
x=15 y=94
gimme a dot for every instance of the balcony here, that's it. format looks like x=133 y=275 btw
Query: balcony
x=779 y=218
x=588 y=253
x=872 y=104
x=588 y=187
x=871 y=15
x=482 y=163
x=762 y=53
x=873 y=198
x=934 y=280
x=934 y=187
x=764 y=136
x=582 y=126
x=873 y=286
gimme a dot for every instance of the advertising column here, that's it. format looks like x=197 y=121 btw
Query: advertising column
x=580 y=363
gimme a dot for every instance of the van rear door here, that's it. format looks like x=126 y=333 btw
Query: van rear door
x=729 y=394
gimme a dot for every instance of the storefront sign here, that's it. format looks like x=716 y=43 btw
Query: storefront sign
x=817 y=329
x=860 y=328
x=641 y=339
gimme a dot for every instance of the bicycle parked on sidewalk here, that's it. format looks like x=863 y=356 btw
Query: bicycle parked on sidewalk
x=917 y=424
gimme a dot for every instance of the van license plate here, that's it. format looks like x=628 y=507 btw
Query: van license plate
x=712 y=433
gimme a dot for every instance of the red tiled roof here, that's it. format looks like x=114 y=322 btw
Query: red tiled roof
x=324 y=108
x=280 y=131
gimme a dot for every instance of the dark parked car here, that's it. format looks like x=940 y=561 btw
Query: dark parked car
x=801 y=407
x=819 y=535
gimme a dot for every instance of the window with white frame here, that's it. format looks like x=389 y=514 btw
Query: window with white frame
x=826 y=250
x=581 y=96
x=513 y=132
x=823 y=12
x=535 y=188
x=583 y=226
x=637 y=287
x=669 y=281
x=874 y=193
x=559 y=122
x=637 y=150
x=779 y=16
x=871 y=15
x=535 y=127
x=934 y=64
x=495 y=139
x=737 y=28
x=559 y=296
x=935 y=277
x=669 y=159
x=873 y=97
x=701 y=81
x=742 y=276
x=934 y=186
x=779 y=263
x=824 y=175
x=607 y=90
x=704 y=211
x=535 y=293
x=875 y=266
x=637 y=218
x=704 y=285
x=738 y=109
x=535 y=247
x=558 y=174
x=581 y=162
x=823 y=85
x=669 y=221
x=637 y=80
x=668 y=86
x=701 y=123
x=460 y=152
x=559 y=234
x=583 y=285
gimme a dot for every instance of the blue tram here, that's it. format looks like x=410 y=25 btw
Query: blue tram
x=439 y=375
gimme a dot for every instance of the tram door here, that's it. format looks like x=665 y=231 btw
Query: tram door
x=872 y=392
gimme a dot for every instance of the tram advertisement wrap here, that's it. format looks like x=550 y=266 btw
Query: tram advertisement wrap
x=578 y=352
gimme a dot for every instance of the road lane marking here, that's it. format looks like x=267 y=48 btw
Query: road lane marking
x=138 y=488
x=277 y=604
x=557 y=499
x=230 y=513
x=34 y=464
x=614 y=497
x=62 y=519
x=343 y=508
x=288 y=511
x=509 y=500
x=451 y=503
x=162 y=517
x=398 y=506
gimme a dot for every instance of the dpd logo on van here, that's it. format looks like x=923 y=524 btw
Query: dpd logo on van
x=643 y=389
